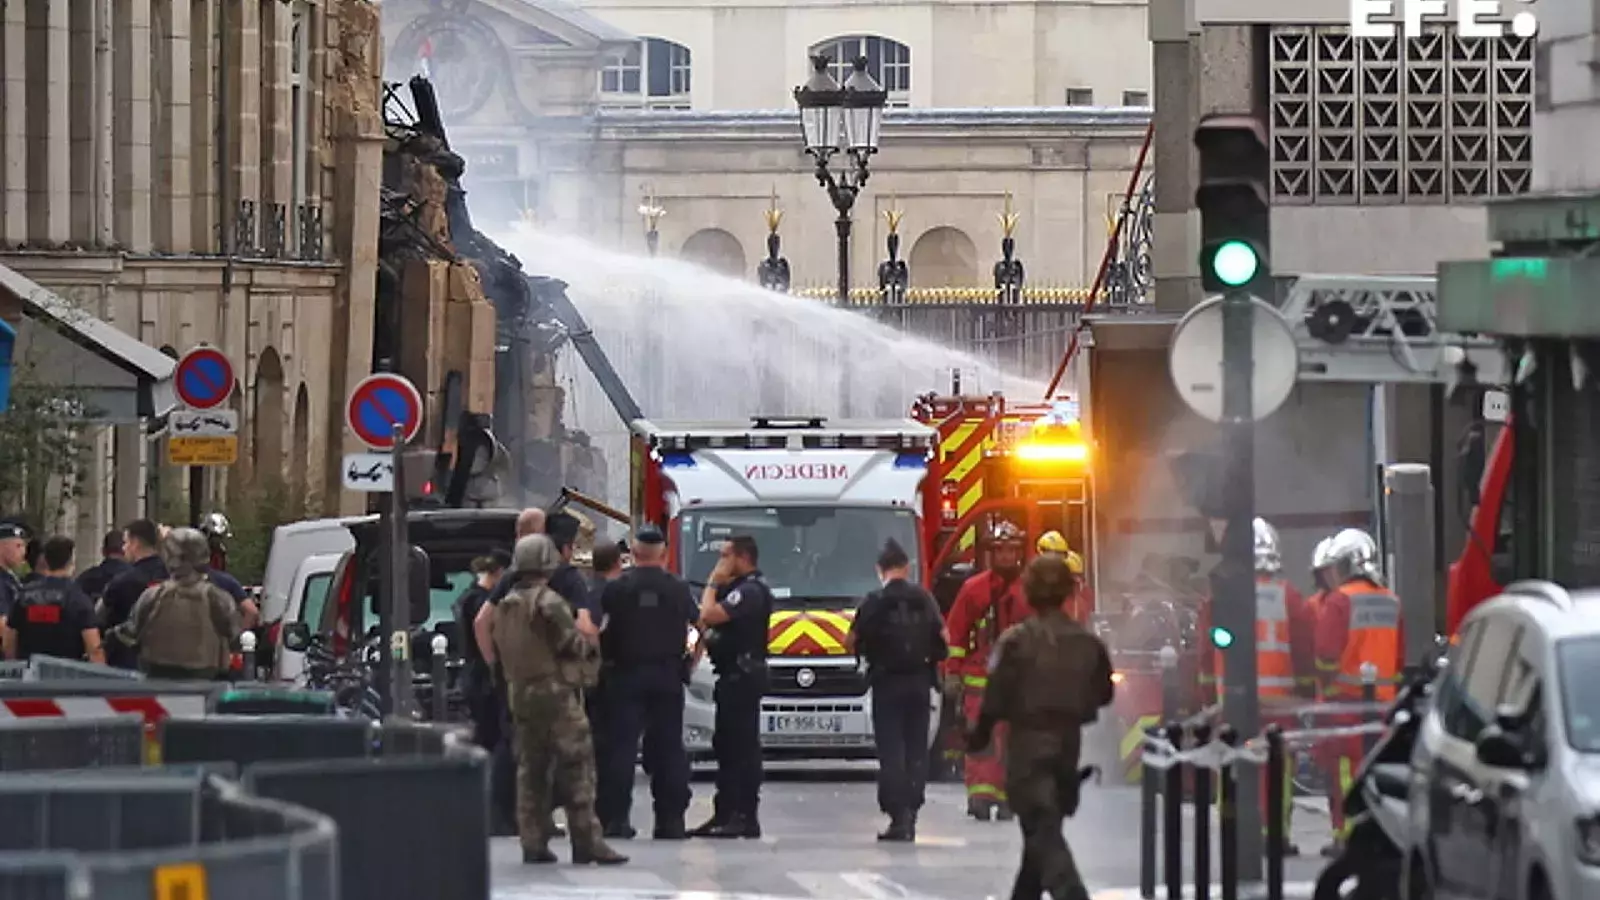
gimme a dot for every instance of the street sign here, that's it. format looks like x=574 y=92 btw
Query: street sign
x=202 y=422
x=203 y=378
x=372 y=473
x=207 y=450
x=379 y=403
x=1196 y=360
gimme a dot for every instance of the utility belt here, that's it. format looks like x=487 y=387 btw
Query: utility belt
x=743 y=667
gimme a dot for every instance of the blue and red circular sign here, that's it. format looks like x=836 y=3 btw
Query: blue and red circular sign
x=203 y=378
x=378 y=404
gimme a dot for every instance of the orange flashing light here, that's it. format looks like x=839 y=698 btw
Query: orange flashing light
x=1072 y=452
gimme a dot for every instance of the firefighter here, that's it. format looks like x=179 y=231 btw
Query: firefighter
x=1079 y=605
x=1358 y=623
x=989 y=603
x=1327 y=762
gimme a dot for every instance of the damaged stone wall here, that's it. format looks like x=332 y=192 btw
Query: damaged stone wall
x=453 y=302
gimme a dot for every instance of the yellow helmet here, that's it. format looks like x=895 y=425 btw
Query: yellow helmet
x=1053 y=542
x=1074 y=562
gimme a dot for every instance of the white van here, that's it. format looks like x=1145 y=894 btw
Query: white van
x=293 y=543
x=308 y=597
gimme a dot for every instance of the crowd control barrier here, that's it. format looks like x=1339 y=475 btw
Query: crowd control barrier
x=41 y=744
x=410 y=800
x=158 y=836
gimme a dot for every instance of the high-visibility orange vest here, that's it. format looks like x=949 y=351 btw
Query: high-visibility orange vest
x=1274 y=657
x=1374 y=638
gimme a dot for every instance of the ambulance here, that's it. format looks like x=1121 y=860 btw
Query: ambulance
x=820 y=498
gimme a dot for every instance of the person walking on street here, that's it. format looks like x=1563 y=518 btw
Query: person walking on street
x=1050 y=677
x=13 y=551
x=93 y=580
x=648 y=612
x=541 y=651
x=900 y=634
x=735 y=608
x=52 y=616
x=141 y=544
x=183 y=628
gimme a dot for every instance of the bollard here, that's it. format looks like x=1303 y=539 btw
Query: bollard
x=441 y=655
x=1172 y=827
x=247 y=649
x=1228 y=795
x=1149 y=787
x=1369 y=696
x=1277 y=838
x=1202 y=820
x=1171 y=690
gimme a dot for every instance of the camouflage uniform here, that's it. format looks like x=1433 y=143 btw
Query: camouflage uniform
x=1049 y=679
x=183 y=627
x=544 y=658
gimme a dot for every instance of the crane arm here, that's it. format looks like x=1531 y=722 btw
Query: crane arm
x=554 y=294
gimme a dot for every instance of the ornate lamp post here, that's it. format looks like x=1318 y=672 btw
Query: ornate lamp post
x=773 y=272
x=841 y=119
x=651 y=212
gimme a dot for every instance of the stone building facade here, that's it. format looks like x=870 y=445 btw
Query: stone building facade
x=577 y=114
x=198 y=171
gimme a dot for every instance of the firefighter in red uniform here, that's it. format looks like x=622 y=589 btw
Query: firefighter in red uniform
x=1358 y=623
x=1081 y=603
x=1284 y=640
x=1325 y=755
x=988 y=603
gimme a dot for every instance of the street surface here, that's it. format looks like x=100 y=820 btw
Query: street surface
x=819 y=841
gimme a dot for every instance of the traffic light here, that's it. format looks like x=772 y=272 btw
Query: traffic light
x=1234 y=202
x=1221 y=638
x=422 y=479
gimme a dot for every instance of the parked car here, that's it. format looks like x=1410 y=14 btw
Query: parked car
x=308 y=594
x=1505 y=793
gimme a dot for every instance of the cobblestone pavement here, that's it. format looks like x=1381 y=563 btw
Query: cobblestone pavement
x=818 y=841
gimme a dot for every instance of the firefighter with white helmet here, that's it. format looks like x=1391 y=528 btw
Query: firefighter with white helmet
x=1283 y=641
x=1358 y=624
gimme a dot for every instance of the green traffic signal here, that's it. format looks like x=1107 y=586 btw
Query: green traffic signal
x=1221 y=638
x=1235 y=263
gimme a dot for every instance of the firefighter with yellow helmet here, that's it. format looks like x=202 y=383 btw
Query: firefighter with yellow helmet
x=1052 y=543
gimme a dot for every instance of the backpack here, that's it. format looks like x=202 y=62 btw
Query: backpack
x=907 y=635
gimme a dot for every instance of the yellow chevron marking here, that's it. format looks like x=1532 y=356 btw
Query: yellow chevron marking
x=805 y=628
x=783 y=615
x=838 y=620
x=1132 y=742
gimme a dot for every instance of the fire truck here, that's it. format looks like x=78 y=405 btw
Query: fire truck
x=820 y=498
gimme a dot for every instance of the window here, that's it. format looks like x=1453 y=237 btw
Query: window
x=1080 y=96
x=1480 y=686
x=888 y=62
x=316 y=597
x=1578 y=660
x=654 y=74
x=1135 y=98
x=300 y=108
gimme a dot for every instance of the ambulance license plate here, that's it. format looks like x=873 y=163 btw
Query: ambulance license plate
x=803 y=723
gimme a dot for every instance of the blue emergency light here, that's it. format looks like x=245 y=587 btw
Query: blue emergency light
x=8 y=340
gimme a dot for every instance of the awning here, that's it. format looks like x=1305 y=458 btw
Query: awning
x=122 y=379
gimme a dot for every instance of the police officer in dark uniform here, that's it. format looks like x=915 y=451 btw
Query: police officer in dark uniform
x=648 y=612
x=93 y=580
x=900 y=634
x=734 y=610
x=13 y=552
x=52 y=616
x=141 y=541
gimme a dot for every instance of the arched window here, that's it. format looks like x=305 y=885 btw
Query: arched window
x=653 y=74
x=888 y=61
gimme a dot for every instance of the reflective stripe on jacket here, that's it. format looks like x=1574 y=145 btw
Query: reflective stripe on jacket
x=1275 y=678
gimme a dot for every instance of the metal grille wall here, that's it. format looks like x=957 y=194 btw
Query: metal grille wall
x=1434 y=119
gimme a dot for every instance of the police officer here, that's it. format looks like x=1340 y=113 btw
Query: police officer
x=899 y=631
x=734 y=610
x=52 y=616
x=648 y=612
x=184 y=627
x=540 y=651
x=13 y=551
x=477 y=679
x=93 y=581
x=141 y=543
x=1049 y=678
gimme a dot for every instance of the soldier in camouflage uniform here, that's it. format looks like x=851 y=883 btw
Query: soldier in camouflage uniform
x=1048 y=678
x=183 y=627
x=544 y=658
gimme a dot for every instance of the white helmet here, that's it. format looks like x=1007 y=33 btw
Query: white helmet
x=1319 y=556
x=1351 y=553
x=1266 y=546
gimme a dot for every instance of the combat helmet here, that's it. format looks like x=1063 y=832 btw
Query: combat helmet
x=185 y=551
x=535 y=555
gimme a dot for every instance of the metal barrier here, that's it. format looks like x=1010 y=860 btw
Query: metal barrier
x=13 y=670
x=53 y=668
x=43 y=744
x=371 y=780
x=156 y=836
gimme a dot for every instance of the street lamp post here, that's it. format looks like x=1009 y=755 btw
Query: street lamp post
x=651 y=212
x=843 y=120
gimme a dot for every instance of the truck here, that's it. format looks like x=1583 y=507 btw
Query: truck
x=820 y=498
